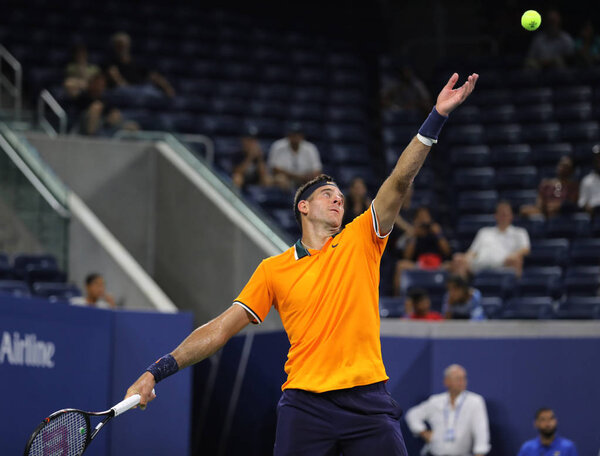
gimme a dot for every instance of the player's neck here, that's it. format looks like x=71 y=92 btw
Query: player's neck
x=315 y=237
x=547 y=441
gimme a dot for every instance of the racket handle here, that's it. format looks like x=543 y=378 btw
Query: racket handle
x=127 y=404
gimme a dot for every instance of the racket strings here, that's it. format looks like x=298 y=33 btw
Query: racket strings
x=65 y=435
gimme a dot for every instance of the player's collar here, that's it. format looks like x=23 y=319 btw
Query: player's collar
x=300 y=251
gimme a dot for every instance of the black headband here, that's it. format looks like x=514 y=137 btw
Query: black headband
x=308 y=191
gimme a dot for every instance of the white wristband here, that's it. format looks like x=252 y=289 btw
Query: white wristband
x=425 y=140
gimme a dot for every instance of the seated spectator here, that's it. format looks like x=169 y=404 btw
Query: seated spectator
x=589 y=191
x=79 y=72
x=95 y=294
x=427 y=248
x=123 y=71
x=417 y=306
x=293 y=160
x=96 y=116
x=356 y=200
x=548 y=442
x=250 y=167
x=462 y=302
x=556 y=194
x=587 y=46
x=552 y=47
x=498 y=247
x=406 y=92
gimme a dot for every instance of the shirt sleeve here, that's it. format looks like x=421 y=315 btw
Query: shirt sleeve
x=584 y=196
x=481 y=429
x=476 y=244
x=417 y=415
x=257 y=295
x=573 y=450
x=315 y=158
x=272 y=160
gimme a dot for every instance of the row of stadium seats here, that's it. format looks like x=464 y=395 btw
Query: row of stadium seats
x=53 y=291
x=522 y=308
x=31 y=268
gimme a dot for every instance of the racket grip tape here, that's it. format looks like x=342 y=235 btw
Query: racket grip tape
x=127 y=404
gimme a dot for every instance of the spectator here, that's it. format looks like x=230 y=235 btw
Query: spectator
x=418 y=306
x=548 y=442
x=406 y=92
x=95 y=294
x=357 y=200
x=556 y=194
x=552 y=47
x=589 y=191
x=79 y=72
x=293 y=160
x=124 y=71
x=457 y=418
x=587 y=46
x=96 y=115
x=427 y=248
x=462 y=302
x=497 y=247
x=250 y=168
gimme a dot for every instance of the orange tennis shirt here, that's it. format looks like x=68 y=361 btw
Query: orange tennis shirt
x=328 y=301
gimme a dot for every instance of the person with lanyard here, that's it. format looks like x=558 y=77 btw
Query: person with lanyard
x=325 y=288
x=457 y=419
x=548 y=443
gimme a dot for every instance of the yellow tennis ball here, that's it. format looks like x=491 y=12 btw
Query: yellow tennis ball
x=531 y=20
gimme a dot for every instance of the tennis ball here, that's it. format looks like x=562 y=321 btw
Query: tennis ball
x=531 y=20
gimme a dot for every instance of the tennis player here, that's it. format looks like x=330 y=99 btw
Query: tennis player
x=325 y=289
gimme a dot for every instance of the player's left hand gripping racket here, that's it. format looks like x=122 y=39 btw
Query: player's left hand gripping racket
x=68 y=432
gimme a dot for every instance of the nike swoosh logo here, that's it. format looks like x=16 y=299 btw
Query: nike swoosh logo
x=335 y=245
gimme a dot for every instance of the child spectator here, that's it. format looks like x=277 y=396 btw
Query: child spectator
x=462 y=302
x=418 y=306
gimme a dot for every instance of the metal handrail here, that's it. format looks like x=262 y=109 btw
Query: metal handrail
x=14 y=89
x=46 y=99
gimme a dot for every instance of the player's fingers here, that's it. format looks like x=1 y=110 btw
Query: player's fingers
x=451 y=81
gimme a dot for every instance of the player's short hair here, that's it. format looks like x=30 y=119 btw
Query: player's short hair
x=417 y=294
x=541 y=410
x=458 y=282
x=320 y=178
x=90 y=278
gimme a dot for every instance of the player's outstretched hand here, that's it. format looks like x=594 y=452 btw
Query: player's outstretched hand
x=449 y=98
x=144 y=387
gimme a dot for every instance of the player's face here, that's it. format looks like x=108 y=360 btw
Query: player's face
x=327 y=205
x=546 y=423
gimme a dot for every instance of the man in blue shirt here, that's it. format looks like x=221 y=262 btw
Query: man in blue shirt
x=548 y=443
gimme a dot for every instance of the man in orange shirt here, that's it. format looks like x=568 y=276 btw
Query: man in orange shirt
x=325 y=289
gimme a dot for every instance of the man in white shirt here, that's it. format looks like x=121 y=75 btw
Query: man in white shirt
x=497 y=247
x=293 y=160
x=589 y=190
x=95 y=294
x=457 y=419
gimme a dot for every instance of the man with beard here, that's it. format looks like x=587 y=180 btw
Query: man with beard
x=548 y=443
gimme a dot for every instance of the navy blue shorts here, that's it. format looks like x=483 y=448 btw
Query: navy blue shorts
x=352 y=422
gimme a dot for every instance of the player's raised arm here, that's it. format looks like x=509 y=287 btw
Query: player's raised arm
x=393 y=190
x=200 y=344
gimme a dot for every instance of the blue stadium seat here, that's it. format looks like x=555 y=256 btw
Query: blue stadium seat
x=541 y=281
x=596 y=227
x=498 y=114
x=529 y=308
x=309 y=95
x=306 y=111
x=543 y=112
x=492 y=307
x=432 y=281
x=220 y=124
x=271 y=197
x=518 y=198
x=264 y=108
x=347 y=79
x=468 y=225
x=43 y=273
x=14 y=288
x=569 y=226
x=520 y=78
x=511 y=155
x=399 y=136
x=286 y=220
x=499 y=283
x=344 y=97
x=22 y=261
x=547 y=132
x=351 y=154
x=273 y=92
x=582 y=281
x=269 y=128
x=492 y=97
x=467 y=115
x=477 y=202
x=534 y=95
x=575 y=111
x=6 y=270
x=346 y=114
x=585 y=252
x=234 y=106
x=573 y=94
x=345 y=174
x=548 y=252
x=579 y=308
x=56 y=291
x=464 y=134
x=470 y=156
x=391 y=307
x=520 y=177
x=401 y=117
x=276 y=73
x=474 y=178
x=549 y=154
x=581 y=131
x=503 y=134
x=346 y=134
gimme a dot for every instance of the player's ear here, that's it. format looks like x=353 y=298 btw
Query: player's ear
x=303 y=207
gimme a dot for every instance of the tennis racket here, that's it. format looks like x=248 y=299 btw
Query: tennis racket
x=68 y=432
